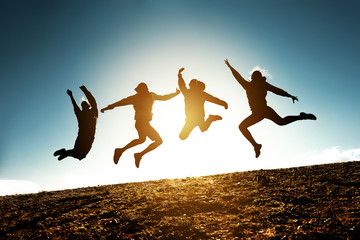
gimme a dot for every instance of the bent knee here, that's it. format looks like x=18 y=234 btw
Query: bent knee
x=183 y=136
x=281 y=122
x=156 y=139
x=242 y=127
x=141 y=140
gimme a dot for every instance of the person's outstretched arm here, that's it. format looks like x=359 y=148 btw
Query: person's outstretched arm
x=237 y=75
x=211 y=98
x=122 y=102
x=76 y=107
x=181 y=81
x=280 y=92
x=90 y=97
x=167 y=96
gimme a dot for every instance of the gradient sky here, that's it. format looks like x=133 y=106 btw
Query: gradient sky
x=310 y=48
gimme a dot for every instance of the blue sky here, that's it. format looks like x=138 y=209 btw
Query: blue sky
x=310 y=48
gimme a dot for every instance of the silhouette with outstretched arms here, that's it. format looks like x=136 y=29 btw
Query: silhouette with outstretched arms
x=195 y=98
x=142 y=102
x=256 y=91
x=87 y=119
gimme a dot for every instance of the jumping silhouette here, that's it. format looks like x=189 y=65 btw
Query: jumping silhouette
x=195 y=98
x=142 y=102
x=87 y=118
x=256 y=91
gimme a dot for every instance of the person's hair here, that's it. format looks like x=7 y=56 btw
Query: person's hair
x=256 y=75
x=259 y=73
x=196 y=84
x=85 y=105
x=142 y=87
x=201 y=85
x=193 y=83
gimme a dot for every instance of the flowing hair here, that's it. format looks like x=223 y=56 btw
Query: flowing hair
x=264 y=72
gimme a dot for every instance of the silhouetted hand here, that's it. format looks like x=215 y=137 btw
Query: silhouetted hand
x=227 y=63
x=69 y=92
x=226 y=105
x=181 y=69
x=102 y=110
x=82 y=87
x=294 y=99
x=177 y=91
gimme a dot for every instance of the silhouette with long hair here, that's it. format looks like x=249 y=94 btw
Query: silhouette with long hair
x=256 y=91
x=142 y=102
x=195 y=97
x=87 y=119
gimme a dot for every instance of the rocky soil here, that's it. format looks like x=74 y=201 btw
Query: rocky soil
x=315 y=202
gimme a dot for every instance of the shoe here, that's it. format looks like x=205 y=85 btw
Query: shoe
x=308 y=116
x=62 y=156
x=257 y=150
x=117 y=154
x=59 y=152
x=137 y=159
x=215 y=117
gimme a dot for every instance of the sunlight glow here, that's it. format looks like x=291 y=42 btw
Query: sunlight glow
x=10 y=187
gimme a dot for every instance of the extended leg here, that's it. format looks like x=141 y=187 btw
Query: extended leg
x=244 y=125
x=119 y=151
x=134 y=143
x=153 y=135
x=142 y=137
x=273 y=116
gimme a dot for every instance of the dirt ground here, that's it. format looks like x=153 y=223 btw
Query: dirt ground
x=316 y=202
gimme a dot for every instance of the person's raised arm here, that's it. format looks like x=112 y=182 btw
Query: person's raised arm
x=181 y=81
x=280 y=92
x=76 y=107
x=167 y=96
x=122 y=102
x=212 y=99
x=237 y=75
x=90 y=97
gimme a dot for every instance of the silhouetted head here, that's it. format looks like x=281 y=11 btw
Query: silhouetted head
x=85 y=105
x=201 y=86
x=193 y=83
x=256 y=76
x=196 y=84
x=142 y=88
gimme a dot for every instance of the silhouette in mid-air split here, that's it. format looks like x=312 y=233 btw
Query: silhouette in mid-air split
x=142 y=102
x=195 y=98
x=256 y=91
x=87 y=119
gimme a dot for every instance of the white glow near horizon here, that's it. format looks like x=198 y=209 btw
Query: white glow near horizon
x=174 y=168
x=11 y=187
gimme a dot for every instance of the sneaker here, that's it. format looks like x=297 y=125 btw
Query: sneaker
x=59 y=152
x=62 y=156
x=117 y=154
x=215 y=117
x=257 y=150
x=137 y=159
x=308 y=116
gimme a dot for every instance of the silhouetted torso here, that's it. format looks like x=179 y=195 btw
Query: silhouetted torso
x=256 y=93
x=143 y=103
x=87 y=123
x=194 y=103
x=87 y=120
